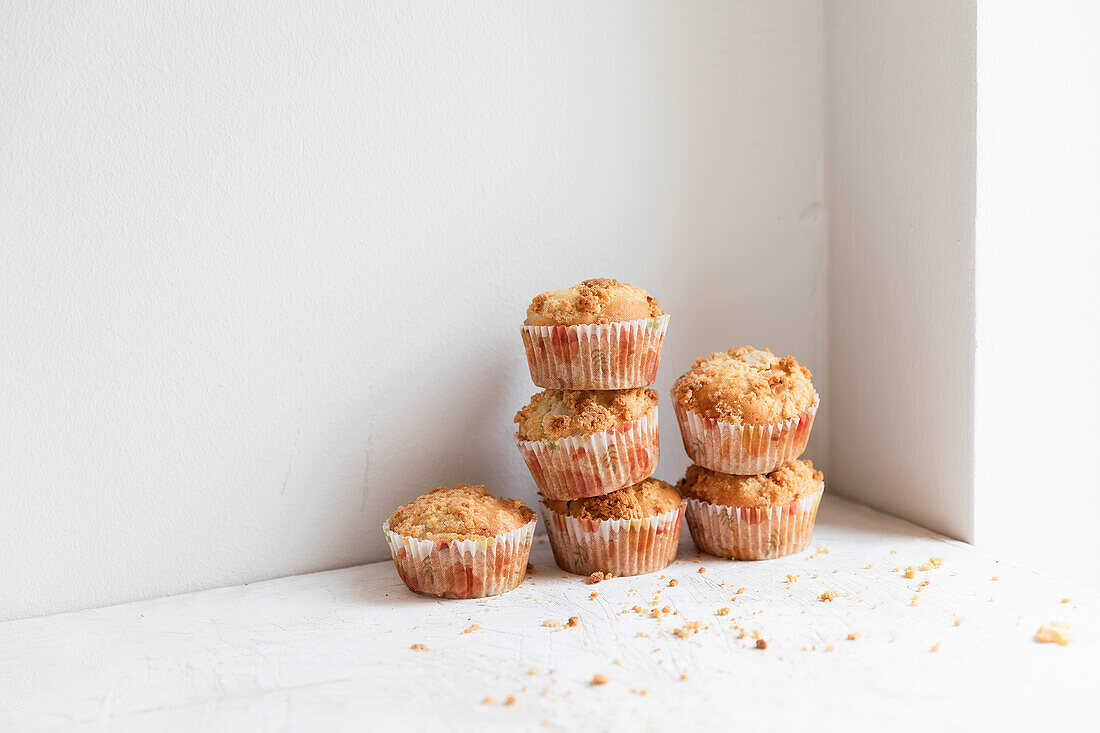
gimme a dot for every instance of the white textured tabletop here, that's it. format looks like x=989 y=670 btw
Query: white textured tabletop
x=951 y=648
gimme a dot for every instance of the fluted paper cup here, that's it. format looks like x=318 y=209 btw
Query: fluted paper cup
x=592 y=465
x=619 y=355
x=472 y=568
x=616 y=546
x=744 y=449
x=753 y=533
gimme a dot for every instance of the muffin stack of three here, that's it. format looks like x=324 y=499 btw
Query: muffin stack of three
x=590 y=438
x=745 y=417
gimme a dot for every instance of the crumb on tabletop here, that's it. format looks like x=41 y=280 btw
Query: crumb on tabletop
x=487 y=700
x=935 y=647
x=1056 y=632
x=869 y=565
x=471 y=628
x=910 y=572
x=995 y=577
x=828 y=595
x=791 y=578
x=551 y=623
x=598 y=679
x=598 y=577
x=702 y=570
x=593 y=595
x=935 y=561
x=683 y=675
x=419 y=648
x=761 y=644
x=893 y=552
x=830 y=648
x=673 y=583
x=853 y=636
x=573 y=621
x=532 y=671
x=688 y=629
x=616 y=661
x=916 y=601
x=958 y=622
x=740 y=590
x=510 y=700
x=722 y=611
x=1066 y=600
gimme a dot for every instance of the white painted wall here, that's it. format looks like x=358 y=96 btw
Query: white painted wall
x=901 y=108
x=1038 y=303
x=262 y=267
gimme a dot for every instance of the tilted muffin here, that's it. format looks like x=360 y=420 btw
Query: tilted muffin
x=599 y=334
x=753 y=517
x=460 y=542
x=580 y=443
x=630 y=531
x=745 y=411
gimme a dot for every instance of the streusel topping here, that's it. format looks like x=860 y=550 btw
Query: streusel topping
x=782 y=486
x=557 y=413
x=461 y=513
x=644 y=499
x=599 y=300
x=745 y=385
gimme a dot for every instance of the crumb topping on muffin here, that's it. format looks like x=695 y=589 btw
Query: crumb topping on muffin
x=599 y=300
x=461 y=513
x=644 y=499
x=745 y=385
x=782 y=486
x=556 y=413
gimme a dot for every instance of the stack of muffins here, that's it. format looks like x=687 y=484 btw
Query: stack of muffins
x=590 y=437
x=745 y=417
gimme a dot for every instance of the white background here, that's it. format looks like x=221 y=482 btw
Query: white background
x=264 y=267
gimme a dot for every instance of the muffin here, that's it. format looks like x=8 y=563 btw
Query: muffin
x=631 y=531
x=600 y=334
x=580 y=443
x=753 y=517
x=745 y=411
x=461 y=542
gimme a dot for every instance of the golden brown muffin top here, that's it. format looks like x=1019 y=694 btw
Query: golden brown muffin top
x=559 y=413
x=461 y=513
x=644 y=499
x=782 y=486
x=745 y=385
x=599 y=300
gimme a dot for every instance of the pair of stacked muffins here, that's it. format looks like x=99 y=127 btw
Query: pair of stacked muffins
x=590 y=438
x=745 y=417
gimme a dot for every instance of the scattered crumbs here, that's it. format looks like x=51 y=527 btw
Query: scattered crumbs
x=1056 y=632
x=916 y=601
x=510 y=701
x=673 y=583
x=702 y=570
x=692 y=627
x=640 y=692
x=598 y=577
x=761 y=644
x=473 y=627
x=551 y=623
x=1065 y=600
x=958 y=622
x=593 y=595
x=935 y=561
x=827 y=595
x=637 y=609
x=830 y=648
x=573 y=621
x=819 y=550
x=487 y=700
x=666 y=609
x=531 y=571
x=740 y=590
x=925 y=567
x=935 y=647
x=853 y=636
x=895 y=570
x=642 y=634
x=722 y=612
x=923 y=583
x=419 y=648
x=598 y=679
x=910 y=573
x=532 y=671
x=791 y=578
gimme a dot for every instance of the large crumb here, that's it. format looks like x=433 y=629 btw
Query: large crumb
x=598 y=577
x=593 y=595
x=853 y=636
x=761 y=644
x=692 y=627
x=419 y=648
x=510 y=701
x=673 y=582
x=702 y=570
x=467 y=630
x=573 y=621
x=722 y=611
x=827 y=595
x=598 y=679
x=1056 y=632
x=910 y=572
x=935 y=562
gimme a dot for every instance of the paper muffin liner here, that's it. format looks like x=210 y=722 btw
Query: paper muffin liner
x=619 y=355
x=616 y=546
x=592 y=465
x=744 y=449
x=472 y=568
x=753 y=533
